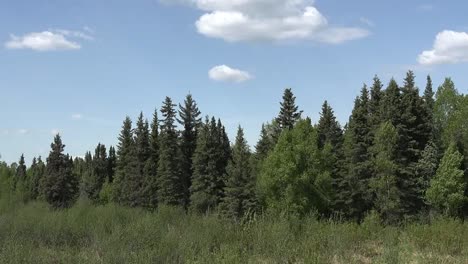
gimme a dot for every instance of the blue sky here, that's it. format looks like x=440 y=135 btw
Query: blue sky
x=78 y=67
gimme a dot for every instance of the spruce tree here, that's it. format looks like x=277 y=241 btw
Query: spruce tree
x=391 y=104
x=190 y=120
x=426 y=167
x=354 y=197
x=151 y=169
x=328 y=128
x=446 y=190
x=126 y=177
x=289 y=113
x=60 y=185
x=20 y=175
x=264 y=144
x=170 y=189
x=36 y=173
x=209 y=167
x=143 y=152
x=384 y=184
x=414 y=133
x=111 y=164
x=239 y=194
x=375 y=106
x=96 y=174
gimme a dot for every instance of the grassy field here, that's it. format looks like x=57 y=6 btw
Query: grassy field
x=111 y=234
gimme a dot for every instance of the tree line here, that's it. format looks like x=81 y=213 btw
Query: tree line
x=402 y=154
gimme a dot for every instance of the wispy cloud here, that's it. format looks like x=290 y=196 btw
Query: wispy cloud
x=77 y=116
x=367 y=21
x=23 y=131
x=227 y=74
x=426 y=7
x=49 y=40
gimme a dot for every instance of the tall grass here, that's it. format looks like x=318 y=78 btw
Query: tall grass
x=33 y=233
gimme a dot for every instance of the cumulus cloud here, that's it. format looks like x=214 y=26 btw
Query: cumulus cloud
x=450 y=47
x=49 y=40
x=269 y=20
x=227 y=74
x=77 y=116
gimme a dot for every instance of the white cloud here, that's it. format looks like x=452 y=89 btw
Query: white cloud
x=367 y=21
x=268 y=20
x=227 y=74
x=449 y=47
x=23 y=131
x=426 y=7
x=49 y=40
x=54 y=132
x=77 y=116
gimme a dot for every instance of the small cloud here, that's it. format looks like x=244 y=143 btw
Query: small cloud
x=50 y=40
x=23 y=131
x=227 y=74
x=54 y=132
x=426 y=7
x=5 y=132
x=77 y=116
x=450 y=47
x=367 y=21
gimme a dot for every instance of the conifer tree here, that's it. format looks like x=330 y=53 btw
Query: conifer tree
x=151 y=169
x=96 y=174
x=37 y=172
x=414 y=133
x=354 y=197
x=429 y=96
x=384 y=184
x=190 y=120
x=209 y=166
x=375 y=106
x=111 y=164
x=126 y=170
x=391 y=104
x=142 y=150
x=446 y=191
x=426 y=167
x=240 y=185
x=60 y=185
x=289 y=113
x=170 y=189
x=20 y=175
x=328 y=128
x=264 y=144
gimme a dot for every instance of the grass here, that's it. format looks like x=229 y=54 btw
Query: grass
x=33 y=233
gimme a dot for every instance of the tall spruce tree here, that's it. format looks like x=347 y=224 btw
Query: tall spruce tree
x=19 y=180
x=151 y=170
x=375 y=105
x=126 y=171
x=414 y=133
x=37 y=172
x=328 y=128
x=190 y=120
x=142 y=151
x=96 y=175
x=239 y=194
x=289 y=114
x=426 y=167
x=209 y=167
x=60 y=185
x=170 y=189
x=391 y=104
x=354 y=197
x=111 y=164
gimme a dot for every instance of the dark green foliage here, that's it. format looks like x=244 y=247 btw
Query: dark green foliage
x=239 y=192
x=414 y=133
x=36 y=172
x=190 y=120
x=426 y=167
x=96 y=173
x=60 y=185
x=127 y=175
x=289 y=114
x=354 y=198
x=211 y=157
x=170 y=186
x=391 y=104
x=111 y=164
x=151 y=169
x=328 y=128
x=20 y=179
x=375 y=104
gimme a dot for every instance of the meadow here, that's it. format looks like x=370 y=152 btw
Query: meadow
x=85 y=233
